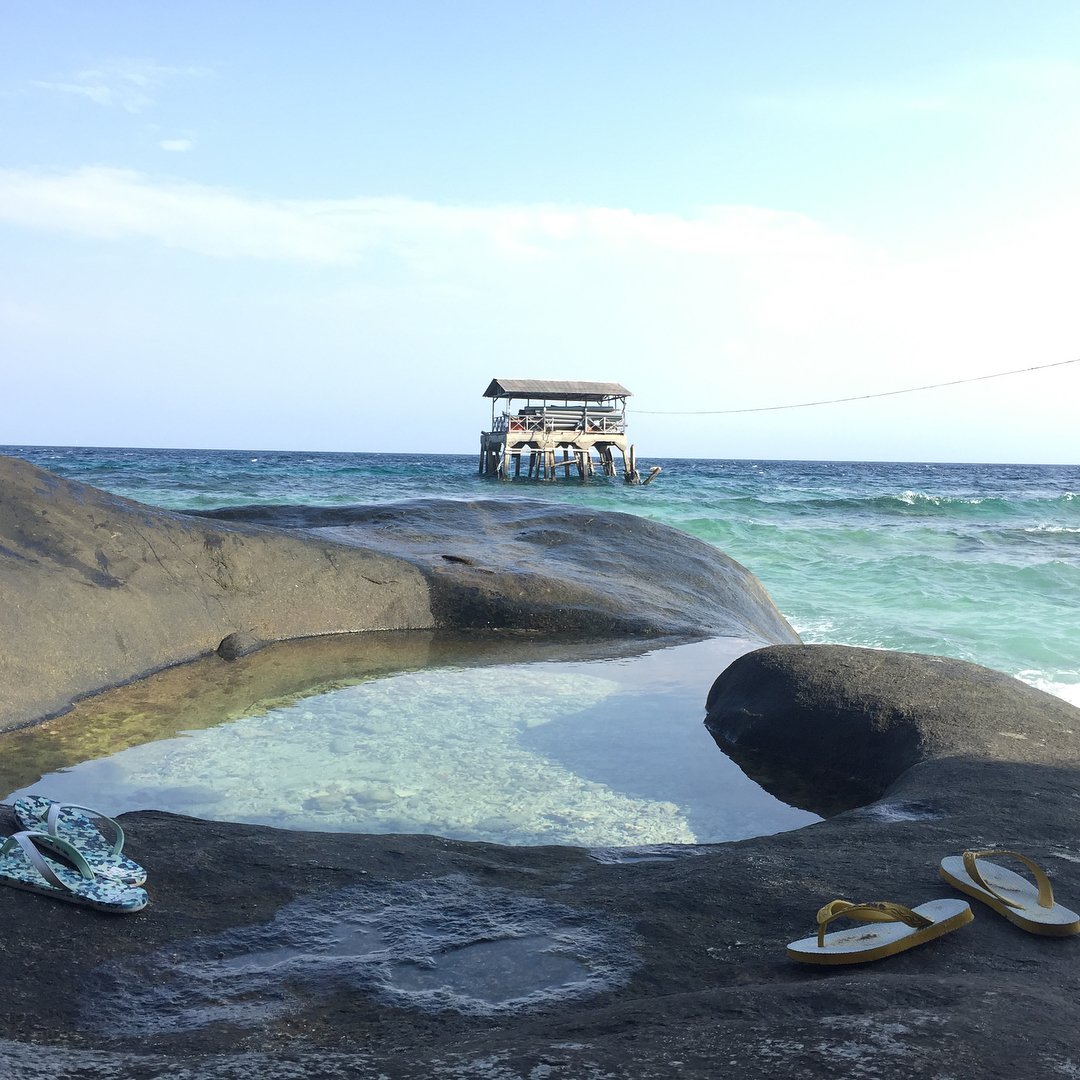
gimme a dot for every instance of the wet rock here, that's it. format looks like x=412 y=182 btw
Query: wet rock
x=241 y=643
x=830 y=727
x=325 y=803
x=375 y=793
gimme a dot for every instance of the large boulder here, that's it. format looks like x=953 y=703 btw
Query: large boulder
x=542 y=566
x=831 y=727
x=96 y=590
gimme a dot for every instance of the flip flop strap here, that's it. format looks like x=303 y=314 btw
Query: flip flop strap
x=53 y=820
x=1046 y=890
x=874 y=911
x=25 y=840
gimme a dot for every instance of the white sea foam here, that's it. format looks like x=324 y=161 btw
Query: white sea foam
x=911 y=498
x=1069 y=691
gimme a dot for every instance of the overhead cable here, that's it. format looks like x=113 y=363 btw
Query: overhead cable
x=857 y=397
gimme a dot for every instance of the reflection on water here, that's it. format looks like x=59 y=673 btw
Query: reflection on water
x=602 y=752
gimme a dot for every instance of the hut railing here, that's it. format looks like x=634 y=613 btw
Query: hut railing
x=591 y=421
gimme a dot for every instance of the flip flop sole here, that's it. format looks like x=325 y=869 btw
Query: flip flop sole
x=861 y=945
x=1057 y=921
x=135 y=904
x=32 y=812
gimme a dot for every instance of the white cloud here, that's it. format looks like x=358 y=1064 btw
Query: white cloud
x=126 y=84
x=177 y=145
x=746 y=305
x=117 y=204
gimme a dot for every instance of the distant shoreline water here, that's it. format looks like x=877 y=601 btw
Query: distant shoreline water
x=975 y=561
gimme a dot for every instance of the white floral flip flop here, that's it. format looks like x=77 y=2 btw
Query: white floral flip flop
x=23 y=866
x=77 y=825
x=1031 y=907
x=902 y=928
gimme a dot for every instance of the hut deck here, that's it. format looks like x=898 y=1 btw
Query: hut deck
x=576 y=419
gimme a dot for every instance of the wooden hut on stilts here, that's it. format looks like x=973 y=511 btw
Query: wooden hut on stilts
x=556 y=425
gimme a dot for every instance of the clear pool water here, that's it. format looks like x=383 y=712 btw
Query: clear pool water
x=608 y=751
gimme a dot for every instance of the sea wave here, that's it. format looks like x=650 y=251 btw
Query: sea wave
x=1069 y=691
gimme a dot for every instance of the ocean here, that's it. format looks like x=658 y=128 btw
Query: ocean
x=978 y=562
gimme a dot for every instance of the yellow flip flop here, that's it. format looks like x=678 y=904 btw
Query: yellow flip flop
x=1031 y=907
x=903 y=928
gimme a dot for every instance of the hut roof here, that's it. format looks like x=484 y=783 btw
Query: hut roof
x=549 y=388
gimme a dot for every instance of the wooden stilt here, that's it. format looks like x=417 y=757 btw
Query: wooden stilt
x=588 y=427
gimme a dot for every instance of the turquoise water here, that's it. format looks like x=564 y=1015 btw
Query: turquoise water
x=600 y=753
x=979 y=562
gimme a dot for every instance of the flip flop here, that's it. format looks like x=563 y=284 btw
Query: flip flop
x=75 y=824
x=905 y=928
x=23 y=866
x=1031 y=907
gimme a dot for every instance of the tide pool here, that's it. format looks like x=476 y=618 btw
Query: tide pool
x=600 y=753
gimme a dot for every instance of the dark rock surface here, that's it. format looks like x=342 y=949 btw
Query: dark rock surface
x=830 y=727
x=711 y=994
x=234 y=971
x=536 y=565
x=96 y=590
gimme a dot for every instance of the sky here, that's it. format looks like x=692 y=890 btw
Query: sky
x=328 y=226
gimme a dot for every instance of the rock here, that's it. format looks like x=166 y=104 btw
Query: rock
x=240 y=643
x=709 y=983
x=830 y=727
x=96 y=590
x=541 y=566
